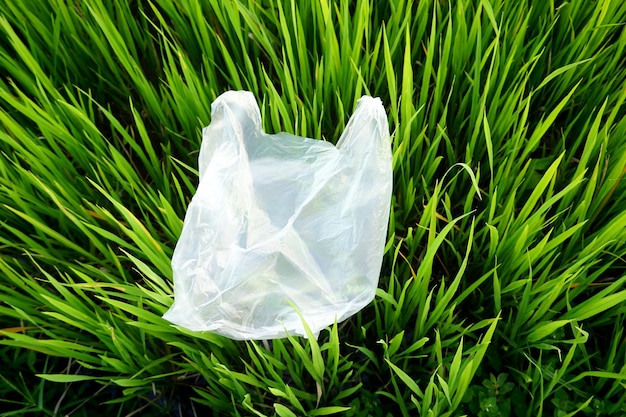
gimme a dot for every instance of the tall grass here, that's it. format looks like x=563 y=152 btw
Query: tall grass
x=503 y=290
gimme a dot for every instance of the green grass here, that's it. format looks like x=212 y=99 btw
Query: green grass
x=503 y=291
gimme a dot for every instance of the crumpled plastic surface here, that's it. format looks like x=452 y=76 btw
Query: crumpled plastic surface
x=282 y=224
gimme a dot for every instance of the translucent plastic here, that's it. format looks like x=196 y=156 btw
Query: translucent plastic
x=281 y=224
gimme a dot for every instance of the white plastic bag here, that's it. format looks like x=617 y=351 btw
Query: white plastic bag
x=280 y=222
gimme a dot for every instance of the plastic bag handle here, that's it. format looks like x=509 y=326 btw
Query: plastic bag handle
x=368 y=122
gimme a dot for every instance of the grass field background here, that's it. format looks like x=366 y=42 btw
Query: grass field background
x=503 y=290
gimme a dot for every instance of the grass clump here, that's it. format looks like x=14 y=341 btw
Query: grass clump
x=503 y=290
